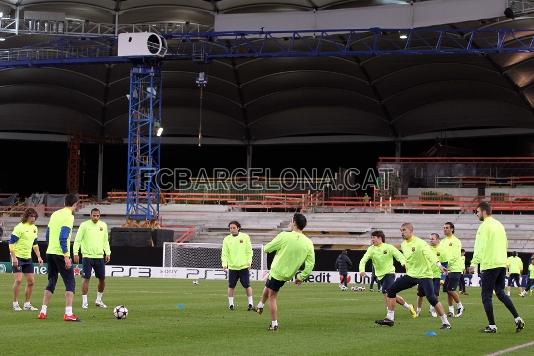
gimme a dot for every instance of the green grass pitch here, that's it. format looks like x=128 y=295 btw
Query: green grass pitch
x=171 y=317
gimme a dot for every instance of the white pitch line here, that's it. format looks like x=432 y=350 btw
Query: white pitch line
x=512 y=349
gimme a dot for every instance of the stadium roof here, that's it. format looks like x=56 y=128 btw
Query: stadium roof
x=291 y=100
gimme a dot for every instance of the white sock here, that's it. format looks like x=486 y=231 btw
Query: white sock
x=250 y=301
x=274 y=323
x=44 y=309
x=27 y=304
x=406 y=305
x=518 y=318
x=444 y=319
x=84 y=299
x=68 y=310
x=451 y=309
x=230 y=300
x=460 y=305
x=432 y=309
x=260 y=304
x=390 y=315
x=99 y=296
x=15 y=304
x=418 y=310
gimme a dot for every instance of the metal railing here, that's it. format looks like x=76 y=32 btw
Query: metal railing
x=31 y=54
x=521 y=7
x=93 y=29
x=207 y=46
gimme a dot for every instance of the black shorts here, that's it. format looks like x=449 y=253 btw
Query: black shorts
x=402 y=283
x=96 y=264
x=406 y=282
x=513 y=277
x=56 y=264
x=243 y=275
x=25 y=265
x=274 y=284
x=386 y=282
x=436 y=283
x=452 y=281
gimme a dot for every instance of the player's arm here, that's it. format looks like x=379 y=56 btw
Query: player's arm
x=64 y=234
x=224 y=254
x=432 y=257
x=455 y=254
x=37 y=252
x=478 y=249
x=78 y=242
x=275 y=244
x=349 y=262
x=12 y=247
x=249 y=251
x=107 y=250
x=363 y=261
x=398 y=255
x=309 y=262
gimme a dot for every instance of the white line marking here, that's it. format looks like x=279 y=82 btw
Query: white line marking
x=512 y=349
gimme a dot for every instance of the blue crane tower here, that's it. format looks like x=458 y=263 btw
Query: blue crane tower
x=144 y=131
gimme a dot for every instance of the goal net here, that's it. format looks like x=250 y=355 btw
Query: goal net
x=205 y=256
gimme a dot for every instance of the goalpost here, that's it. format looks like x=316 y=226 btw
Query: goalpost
x=206 y=259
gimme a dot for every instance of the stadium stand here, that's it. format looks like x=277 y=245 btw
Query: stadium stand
x=208 y=223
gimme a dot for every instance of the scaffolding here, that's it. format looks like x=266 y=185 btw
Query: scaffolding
x=142 y=200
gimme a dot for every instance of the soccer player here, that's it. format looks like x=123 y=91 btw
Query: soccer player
x=236 y=257
x=490 y=248
x=419 y=261
x=451 y=248
x=530 y=283
x=93 y=239
x=462 y=278
x=381 y=254
x=58 y=256
x=23 y=240
x=343 y=263
x=515 y=268
x=293 y=249
x=434 y=245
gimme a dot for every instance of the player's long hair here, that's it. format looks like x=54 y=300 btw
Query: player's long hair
x=236 y=223
x=379 y=233
x=27 y=213
x=451 y=225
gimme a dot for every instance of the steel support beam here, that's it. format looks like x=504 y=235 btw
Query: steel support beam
x=259 y=44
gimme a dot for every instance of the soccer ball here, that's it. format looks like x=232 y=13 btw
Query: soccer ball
x=195 y=282
x=120 y=312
